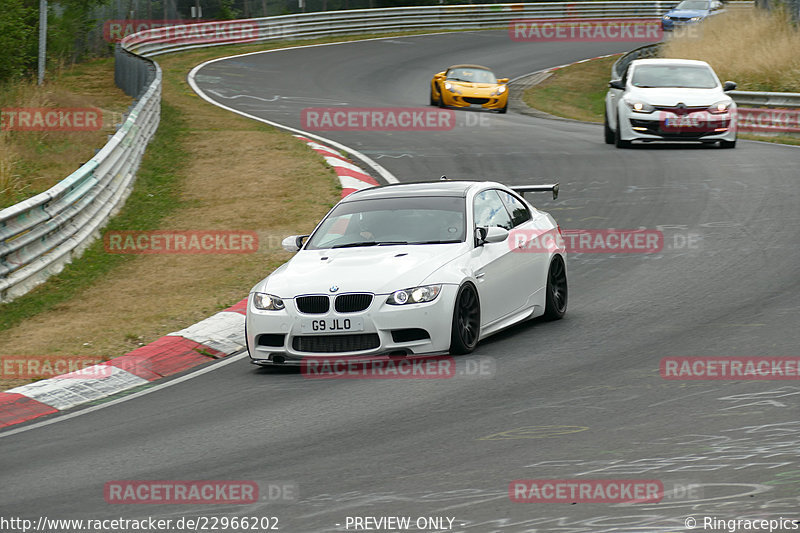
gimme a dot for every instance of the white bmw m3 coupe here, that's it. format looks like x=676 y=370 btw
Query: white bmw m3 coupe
x=413 y=268
x=670 y=100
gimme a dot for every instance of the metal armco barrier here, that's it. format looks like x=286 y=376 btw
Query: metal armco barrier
x=331 y=23
x=40 y=235
x=766 y=99
x=643 y=52
x=43 y=233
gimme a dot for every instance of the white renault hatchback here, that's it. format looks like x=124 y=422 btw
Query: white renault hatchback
x=670 y=100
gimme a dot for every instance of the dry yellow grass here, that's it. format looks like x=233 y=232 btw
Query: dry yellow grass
x=576 y=92
x=33 y=161
x=759 y=50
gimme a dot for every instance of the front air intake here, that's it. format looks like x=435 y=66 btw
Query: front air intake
x=313 y=305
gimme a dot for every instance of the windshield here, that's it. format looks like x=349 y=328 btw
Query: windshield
x=392 y=221
x=688 y=76
x=474 y=75
x=693 y=5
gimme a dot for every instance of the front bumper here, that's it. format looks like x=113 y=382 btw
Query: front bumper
x=656 y=126
x=671 y=24
x=486 y=102
x=276 y=337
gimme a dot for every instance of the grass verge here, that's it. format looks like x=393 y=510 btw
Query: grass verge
x=575 y=92
x=34 y=161
x=756 y=48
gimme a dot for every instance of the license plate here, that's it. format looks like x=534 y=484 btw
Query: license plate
x=682 y=122
x=331 y=325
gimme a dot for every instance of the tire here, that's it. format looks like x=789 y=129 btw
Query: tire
x=504 y=109
x=609 y=133
x=618 y=142
x=556 y=290
x=466 y=321
x=441 y=97
x=432 y=102
x=727 y=144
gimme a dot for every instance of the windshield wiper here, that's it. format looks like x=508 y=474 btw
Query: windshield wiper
x=354 y=244
x=451 y=241
x=368 y=243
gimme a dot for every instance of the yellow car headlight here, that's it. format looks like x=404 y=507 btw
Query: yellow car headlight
x=498 y=91
x=452 y=88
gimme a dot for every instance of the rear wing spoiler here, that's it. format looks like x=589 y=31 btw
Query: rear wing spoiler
x=522 y=189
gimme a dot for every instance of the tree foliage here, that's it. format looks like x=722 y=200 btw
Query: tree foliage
x=69 y=23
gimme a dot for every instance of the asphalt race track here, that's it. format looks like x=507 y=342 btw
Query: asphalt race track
x=576 y=399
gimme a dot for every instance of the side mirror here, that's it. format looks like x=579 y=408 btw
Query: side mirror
x=496 y=234
x=617 y=84
x=293 y=243
x=728 y=86
x=490 y=235
x=502 y=80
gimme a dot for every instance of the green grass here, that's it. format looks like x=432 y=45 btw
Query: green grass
x=576 y=92
x=154 y=197
x=778 y=139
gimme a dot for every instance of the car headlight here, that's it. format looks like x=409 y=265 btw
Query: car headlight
x=640 y=107
x=500 y=90
x=695 y=19
x=450 y=87
x=267 y=302
x=415 y=295
x=720 y=107
x=667 y=17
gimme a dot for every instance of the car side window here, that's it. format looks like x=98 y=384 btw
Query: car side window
x=519 y=211
x=489 y=210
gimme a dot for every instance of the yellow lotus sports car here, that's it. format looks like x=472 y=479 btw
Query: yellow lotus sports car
x=469 y=85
